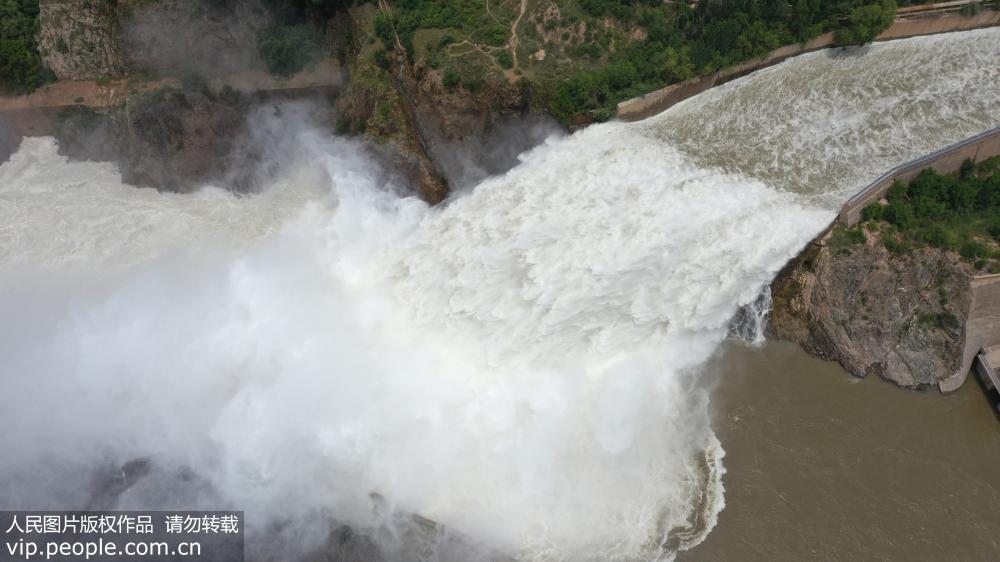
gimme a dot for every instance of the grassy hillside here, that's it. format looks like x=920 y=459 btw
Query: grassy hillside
x=580 y=57
x=584 y=56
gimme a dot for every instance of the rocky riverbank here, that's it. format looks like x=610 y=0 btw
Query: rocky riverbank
x=848 y=299
x=909 y=293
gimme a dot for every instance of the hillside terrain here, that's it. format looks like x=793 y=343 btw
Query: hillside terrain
x=433 y=85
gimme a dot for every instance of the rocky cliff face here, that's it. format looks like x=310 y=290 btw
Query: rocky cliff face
x=78 y=39
x=448 y=137
x=208 y=37
x=95 y=39
x=181 y=138
x=475 y=135
x=847 y=298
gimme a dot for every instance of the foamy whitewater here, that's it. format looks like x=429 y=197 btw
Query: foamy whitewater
x=521 y=366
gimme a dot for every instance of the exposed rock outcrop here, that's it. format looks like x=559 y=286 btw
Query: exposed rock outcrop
x=449 y=137
x=99 y=135
x=78 y=39
x=847 y=298
x=475 y=135
x=99 y=39
x=208 y=37
x=180 y=139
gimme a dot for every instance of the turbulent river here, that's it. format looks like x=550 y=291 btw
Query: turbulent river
x=528 y=366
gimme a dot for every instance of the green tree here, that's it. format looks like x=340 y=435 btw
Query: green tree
x=866 y=22
x=451 y=79
x=505 y=59
x=21 y=68
x=287 y=49
x=899 y=214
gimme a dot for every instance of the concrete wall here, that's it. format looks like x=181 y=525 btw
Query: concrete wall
x=982 y=329
x=657 y=101
x=929 y=24
x=654 y=102
x=946 y=161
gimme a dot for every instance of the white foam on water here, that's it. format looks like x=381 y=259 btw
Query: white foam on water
x=855 y=113
x=521 y=365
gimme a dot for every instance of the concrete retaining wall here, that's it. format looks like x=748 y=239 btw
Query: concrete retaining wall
x=657 y=101
x=982 y=329
x=945 y=161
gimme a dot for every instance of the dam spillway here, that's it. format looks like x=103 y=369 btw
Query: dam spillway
x=520 y=364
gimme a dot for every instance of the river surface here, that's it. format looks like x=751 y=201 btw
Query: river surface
x=540 y=365
x=825 y=466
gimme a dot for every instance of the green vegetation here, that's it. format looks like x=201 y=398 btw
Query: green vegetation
x=451 y=79
x=382 y=59
x=505 y=59
x=287 y=49
x=293 y=40
x=682 y=42
x=959 y=212
x=21 y=68
x=596 y=53
x=866 y=22
x=298 y=11
x=843 y=239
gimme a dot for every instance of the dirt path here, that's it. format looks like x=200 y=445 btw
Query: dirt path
x=494 y=18
x=387 y=10
x=514 y=40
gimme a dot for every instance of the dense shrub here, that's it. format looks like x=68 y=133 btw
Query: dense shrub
x=993 y=228
x=972 y=249
x=895 y=245
x=492 y=34
x=505 y=59
x=866 y=22
x=300 y=11
x=21 y=68
x=286 y=49
x=856 y=236
x=941 y=237
x=382 y=59
x=451 y=79
x=952 y=211
x=383 y=29
x=873 y=212
x=899 y=214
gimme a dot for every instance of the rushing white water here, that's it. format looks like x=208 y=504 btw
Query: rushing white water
x=521 y=365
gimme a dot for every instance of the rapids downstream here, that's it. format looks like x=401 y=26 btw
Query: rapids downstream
x=525 y=365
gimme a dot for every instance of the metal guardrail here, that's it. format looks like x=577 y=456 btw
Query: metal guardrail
x=922 y=161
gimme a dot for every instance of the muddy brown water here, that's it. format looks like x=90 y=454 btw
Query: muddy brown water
x=825 y=466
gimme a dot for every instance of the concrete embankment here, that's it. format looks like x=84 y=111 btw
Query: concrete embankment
x=982 y=329
x=907 y=24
